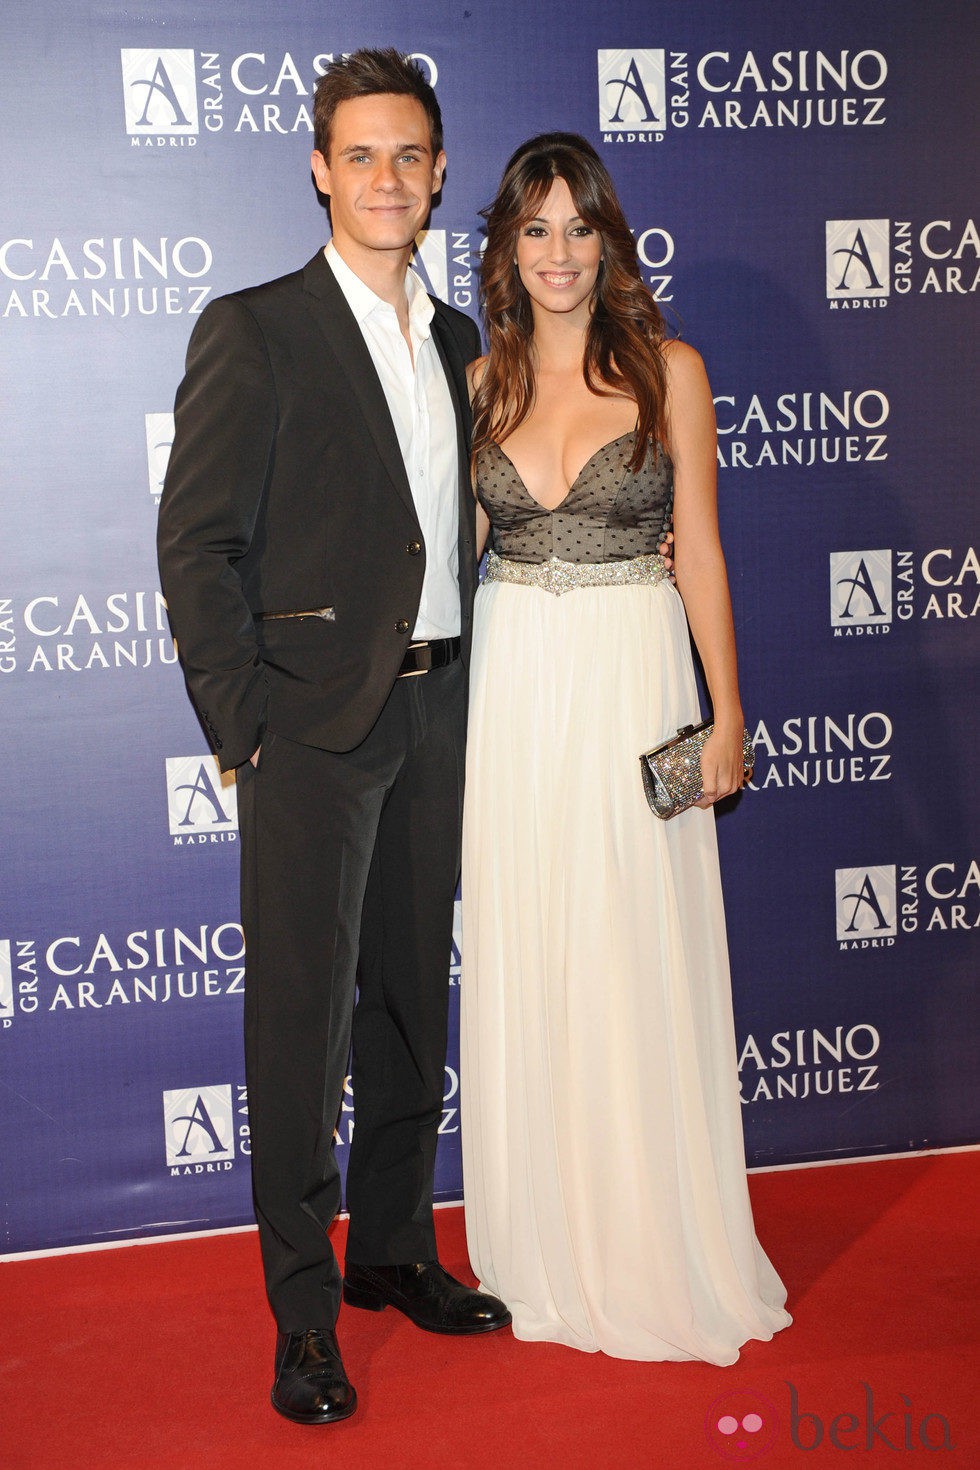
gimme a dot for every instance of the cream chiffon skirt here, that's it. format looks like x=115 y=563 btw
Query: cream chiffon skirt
x=604 y=1175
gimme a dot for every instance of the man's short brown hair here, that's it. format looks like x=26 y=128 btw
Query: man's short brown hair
x=367 y=73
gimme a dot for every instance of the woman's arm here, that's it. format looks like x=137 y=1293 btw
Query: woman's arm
x=702 y=579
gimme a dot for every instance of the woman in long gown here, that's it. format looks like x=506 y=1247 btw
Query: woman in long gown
x=604 y=1173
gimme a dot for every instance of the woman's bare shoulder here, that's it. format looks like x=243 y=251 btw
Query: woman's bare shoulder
x=687 y=378
x=681 y=359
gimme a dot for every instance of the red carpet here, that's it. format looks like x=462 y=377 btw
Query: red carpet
x=160 y=1356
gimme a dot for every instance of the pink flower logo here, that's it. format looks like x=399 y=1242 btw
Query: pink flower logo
x=741 y=1425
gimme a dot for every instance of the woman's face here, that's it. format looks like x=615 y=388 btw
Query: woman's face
x=558 y=256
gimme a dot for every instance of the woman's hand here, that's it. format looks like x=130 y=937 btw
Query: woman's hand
x=722 y=764
x=666 y=549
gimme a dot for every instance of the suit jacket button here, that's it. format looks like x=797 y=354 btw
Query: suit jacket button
x=402 y=625
x=413 y=548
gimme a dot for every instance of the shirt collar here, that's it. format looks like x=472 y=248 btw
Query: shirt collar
x=363 y=301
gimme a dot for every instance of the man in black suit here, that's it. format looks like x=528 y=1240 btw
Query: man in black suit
x=317 y=553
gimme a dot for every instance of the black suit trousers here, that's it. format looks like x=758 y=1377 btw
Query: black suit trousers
x=349 y=869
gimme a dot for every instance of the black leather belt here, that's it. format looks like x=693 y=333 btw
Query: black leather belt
x=436 y=653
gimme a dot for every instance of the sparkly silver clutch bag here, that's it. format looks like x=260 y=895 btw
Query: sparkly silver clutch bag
x=672 y=771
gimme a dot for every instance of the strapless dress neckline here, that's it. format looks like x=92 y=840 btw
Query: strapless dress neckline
x=551 y=509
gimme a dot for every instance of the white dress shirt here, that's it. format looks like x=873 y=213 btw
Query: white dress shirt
x=421 y=408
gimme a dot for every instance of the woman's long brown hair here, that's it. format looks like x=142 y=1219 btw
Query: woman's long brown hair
x=622 y=350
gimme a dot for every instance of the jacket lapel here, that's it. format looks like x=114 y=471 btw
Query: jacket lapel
x=452 y=366
x=455 y=370
x=347 y=346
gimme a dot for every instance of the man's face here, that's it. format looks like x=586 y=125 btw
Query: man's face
x=380 y=175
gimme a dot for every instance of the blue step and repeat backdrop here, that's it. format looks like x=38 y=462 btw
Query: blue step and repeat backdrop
x=797 y=180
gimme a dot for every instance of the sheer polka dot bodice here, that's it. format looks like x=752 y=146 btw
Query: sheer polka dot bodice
x=609 y=513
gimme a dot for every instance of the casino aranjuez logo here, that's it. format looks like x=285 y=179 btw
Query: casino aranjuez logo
x=875 y=905
x=118 y=275
x=74 y=633
x=873 y=590
x=869 y=261
x=817 y=751
x=112 y=974
x=644 y=93
x=803 y=428
x=810 y=1061
x=172 y=94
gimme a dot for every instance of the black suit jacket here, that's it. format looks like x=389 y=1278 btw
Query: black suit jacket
x=286 y=491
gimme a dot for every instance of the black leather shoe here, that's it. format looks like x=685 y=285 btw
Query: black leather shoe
x=428 y=1296
x=311 y=1386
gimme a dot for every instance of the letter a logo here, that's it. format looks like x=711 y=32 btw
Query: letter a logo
x=632 y=90
x=202 y=786
x=860 y=588
x=857 y=257
x=199 y=797
x=199 y=1125
x=160 y=84
x=159 y=91
x=860 y=582
x=198 y=1118
x=866 y=903
x=857 y=251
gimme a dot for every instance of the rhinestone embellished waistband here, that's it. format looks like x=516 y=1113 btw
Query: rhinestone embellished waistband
x=557 y=576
